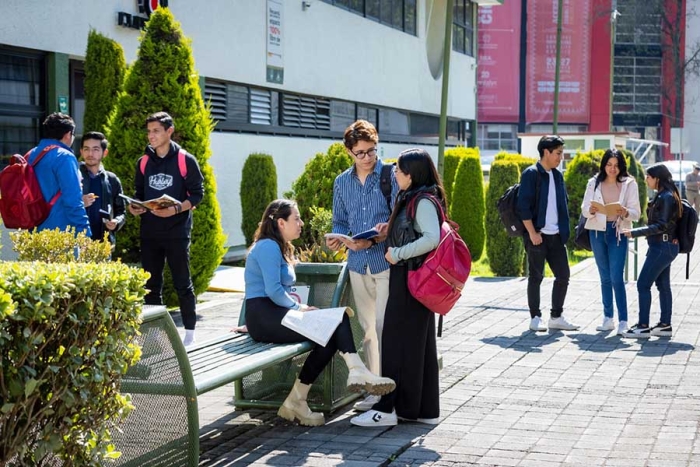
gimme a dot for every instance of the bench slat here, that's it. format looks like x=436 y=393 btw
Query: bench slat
x=213 y=367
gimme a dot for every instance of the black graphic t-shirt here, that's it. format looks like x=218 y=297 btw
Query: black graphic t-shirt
x=162 y=176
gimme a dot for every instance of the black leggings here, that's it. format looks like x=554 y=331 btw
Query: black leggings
x=264 y=320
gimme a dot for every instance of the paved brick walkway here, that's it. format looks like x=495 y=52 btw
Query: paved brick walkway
x=510 y=397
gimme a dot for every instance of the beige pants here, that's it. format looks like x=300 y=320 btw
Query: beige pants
x=693 y=198
x=371 y=292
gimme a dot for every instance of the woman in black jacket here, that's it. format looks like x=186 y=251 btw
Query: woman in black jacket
x=663 y=213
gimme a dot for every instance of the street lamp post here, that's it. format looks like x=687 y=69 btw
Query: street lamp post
x=445 y=86
x=555 y=118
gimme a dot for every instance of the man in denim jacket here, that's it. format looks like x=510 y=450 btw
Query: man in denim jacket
x=542 y=206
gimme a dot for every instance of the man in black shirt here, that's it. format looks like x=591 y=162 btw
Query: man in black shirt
x=101 y=189
x=168 y=169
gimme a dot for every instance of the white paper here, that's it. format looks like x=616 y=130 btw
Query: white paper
x=316 y=325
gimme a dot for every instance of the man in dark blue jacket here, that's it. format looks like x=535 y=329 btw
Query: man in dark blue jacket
x=165 y=233
x=542 y=206
x=101 y=189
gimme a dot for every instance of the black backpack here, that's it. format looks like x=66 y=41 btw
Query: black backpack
x=685 y=232
x=508 y=211
x=385 y=183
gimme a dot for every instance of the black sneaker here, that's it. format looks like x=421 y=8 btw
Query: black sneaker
x=662 y=330
x=638 y=332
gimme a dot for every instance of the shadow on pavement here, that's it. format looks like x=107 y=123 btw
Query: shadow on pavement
x=527 y=341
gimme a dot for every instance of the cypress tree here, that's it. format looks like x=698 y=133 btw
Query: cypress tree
x=451 y=162
x=105 y=67
x=314 y=187
x=164 y=78
x=505 y=253
x=258 y=188
x=581 y=168
x=467 y=208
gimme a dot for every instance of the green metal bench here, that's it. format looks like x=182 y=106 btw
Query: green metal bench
x=163 y=430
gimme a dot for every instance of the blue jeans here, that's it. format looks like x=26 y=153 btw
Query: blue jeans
x=610 y=258
x=656 y=269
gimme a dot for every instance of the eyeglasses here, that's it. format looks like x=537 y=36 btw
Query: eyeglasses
x=361 y=154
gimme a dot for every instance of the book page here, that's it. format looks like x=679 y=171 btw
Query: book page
x=300 y=293
x=609 y=209
x=338 y=236
x=316 y=325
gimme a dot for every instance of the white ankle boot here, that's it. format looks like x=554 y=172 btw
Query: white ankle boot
x=361 y=378
x=295 y=406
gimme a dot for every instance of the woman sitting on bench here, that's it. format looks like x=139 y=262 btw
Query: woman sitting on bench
x=269 y=275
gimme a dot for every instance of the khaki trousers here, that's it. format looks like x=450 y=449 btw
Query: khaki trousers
x=371 y=292
x=693 y=198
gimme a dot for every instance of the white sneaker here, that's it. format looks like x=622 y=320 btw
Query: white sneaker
x=563 y=324
x=622 y=328
x=375 y=418
x=188 y=340
x=367 y=403
x=608 y=325
x=536 y=324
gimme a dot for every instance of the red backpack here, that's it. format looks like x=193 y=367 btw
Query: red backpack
x=22 y=206
x=438 y=282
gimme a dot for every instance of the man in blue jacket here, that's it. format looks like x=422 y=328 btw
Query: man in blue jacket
x=58 y=176
x=543 y=208
x=165 y=233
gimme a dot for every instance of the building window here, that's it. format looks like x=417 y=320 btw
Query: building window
x=398 y=14
x=463 y=27
x=639 y=22
x=496 y=137
x=637 y=85
x=22 y=102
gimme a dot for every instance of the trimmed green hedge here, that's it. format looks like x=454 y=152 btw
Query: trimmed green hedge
x=581 y=168
x=164 y=78
x=505 y=253
x=635 y=169
x=258 y=189
x=66 y=339
x=314 y=187
x=467 y=208
x=450 y=164
x=105 y=68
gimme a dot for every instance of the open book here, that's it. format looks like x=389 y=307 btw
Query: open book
x=609 y=209
x=164 y=201
x=366 y=235
x=316 y=325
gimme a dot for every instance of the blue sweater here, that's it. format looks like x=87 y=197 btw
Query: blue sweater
x=58 y=170
x=267 y=274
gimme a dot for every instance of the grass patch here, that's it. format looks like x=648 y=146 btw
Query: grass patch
x=481 y=268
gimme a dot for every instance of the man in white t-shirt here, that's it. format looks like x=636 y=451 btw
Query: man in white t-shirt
x=542 y=206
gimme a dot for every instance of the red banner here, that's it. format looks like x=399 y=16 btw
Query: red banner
x=574 y=68
x=498 y=80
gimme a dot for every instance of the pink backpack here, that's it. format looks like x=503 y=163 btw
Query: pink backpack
x=181 y=163
x=438 y=282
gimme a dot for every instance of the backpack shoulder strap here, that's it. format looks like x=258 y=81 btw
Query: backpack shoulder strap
x=43 y=152
x=143 y=162
x=385 y=183
x=182 y=162
x=413 y=206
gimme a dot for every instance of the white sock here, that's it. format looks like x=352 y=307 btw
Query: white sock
x=189 y=337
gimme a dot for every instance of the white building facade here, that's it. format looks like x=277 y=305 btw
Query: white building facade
x=285 y=77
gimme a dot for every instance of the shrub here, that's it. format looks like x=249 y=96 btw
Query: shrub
x=105 y=67
x=66 y=338
x=258 y=189
x=321 y=223
x=467 y=208
x=163 y=77
x=581 y=168
x=57 y=246
x=450 y=164
x=505 y=253
x=635 y=169
x=523 y=162
x=314 y=187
